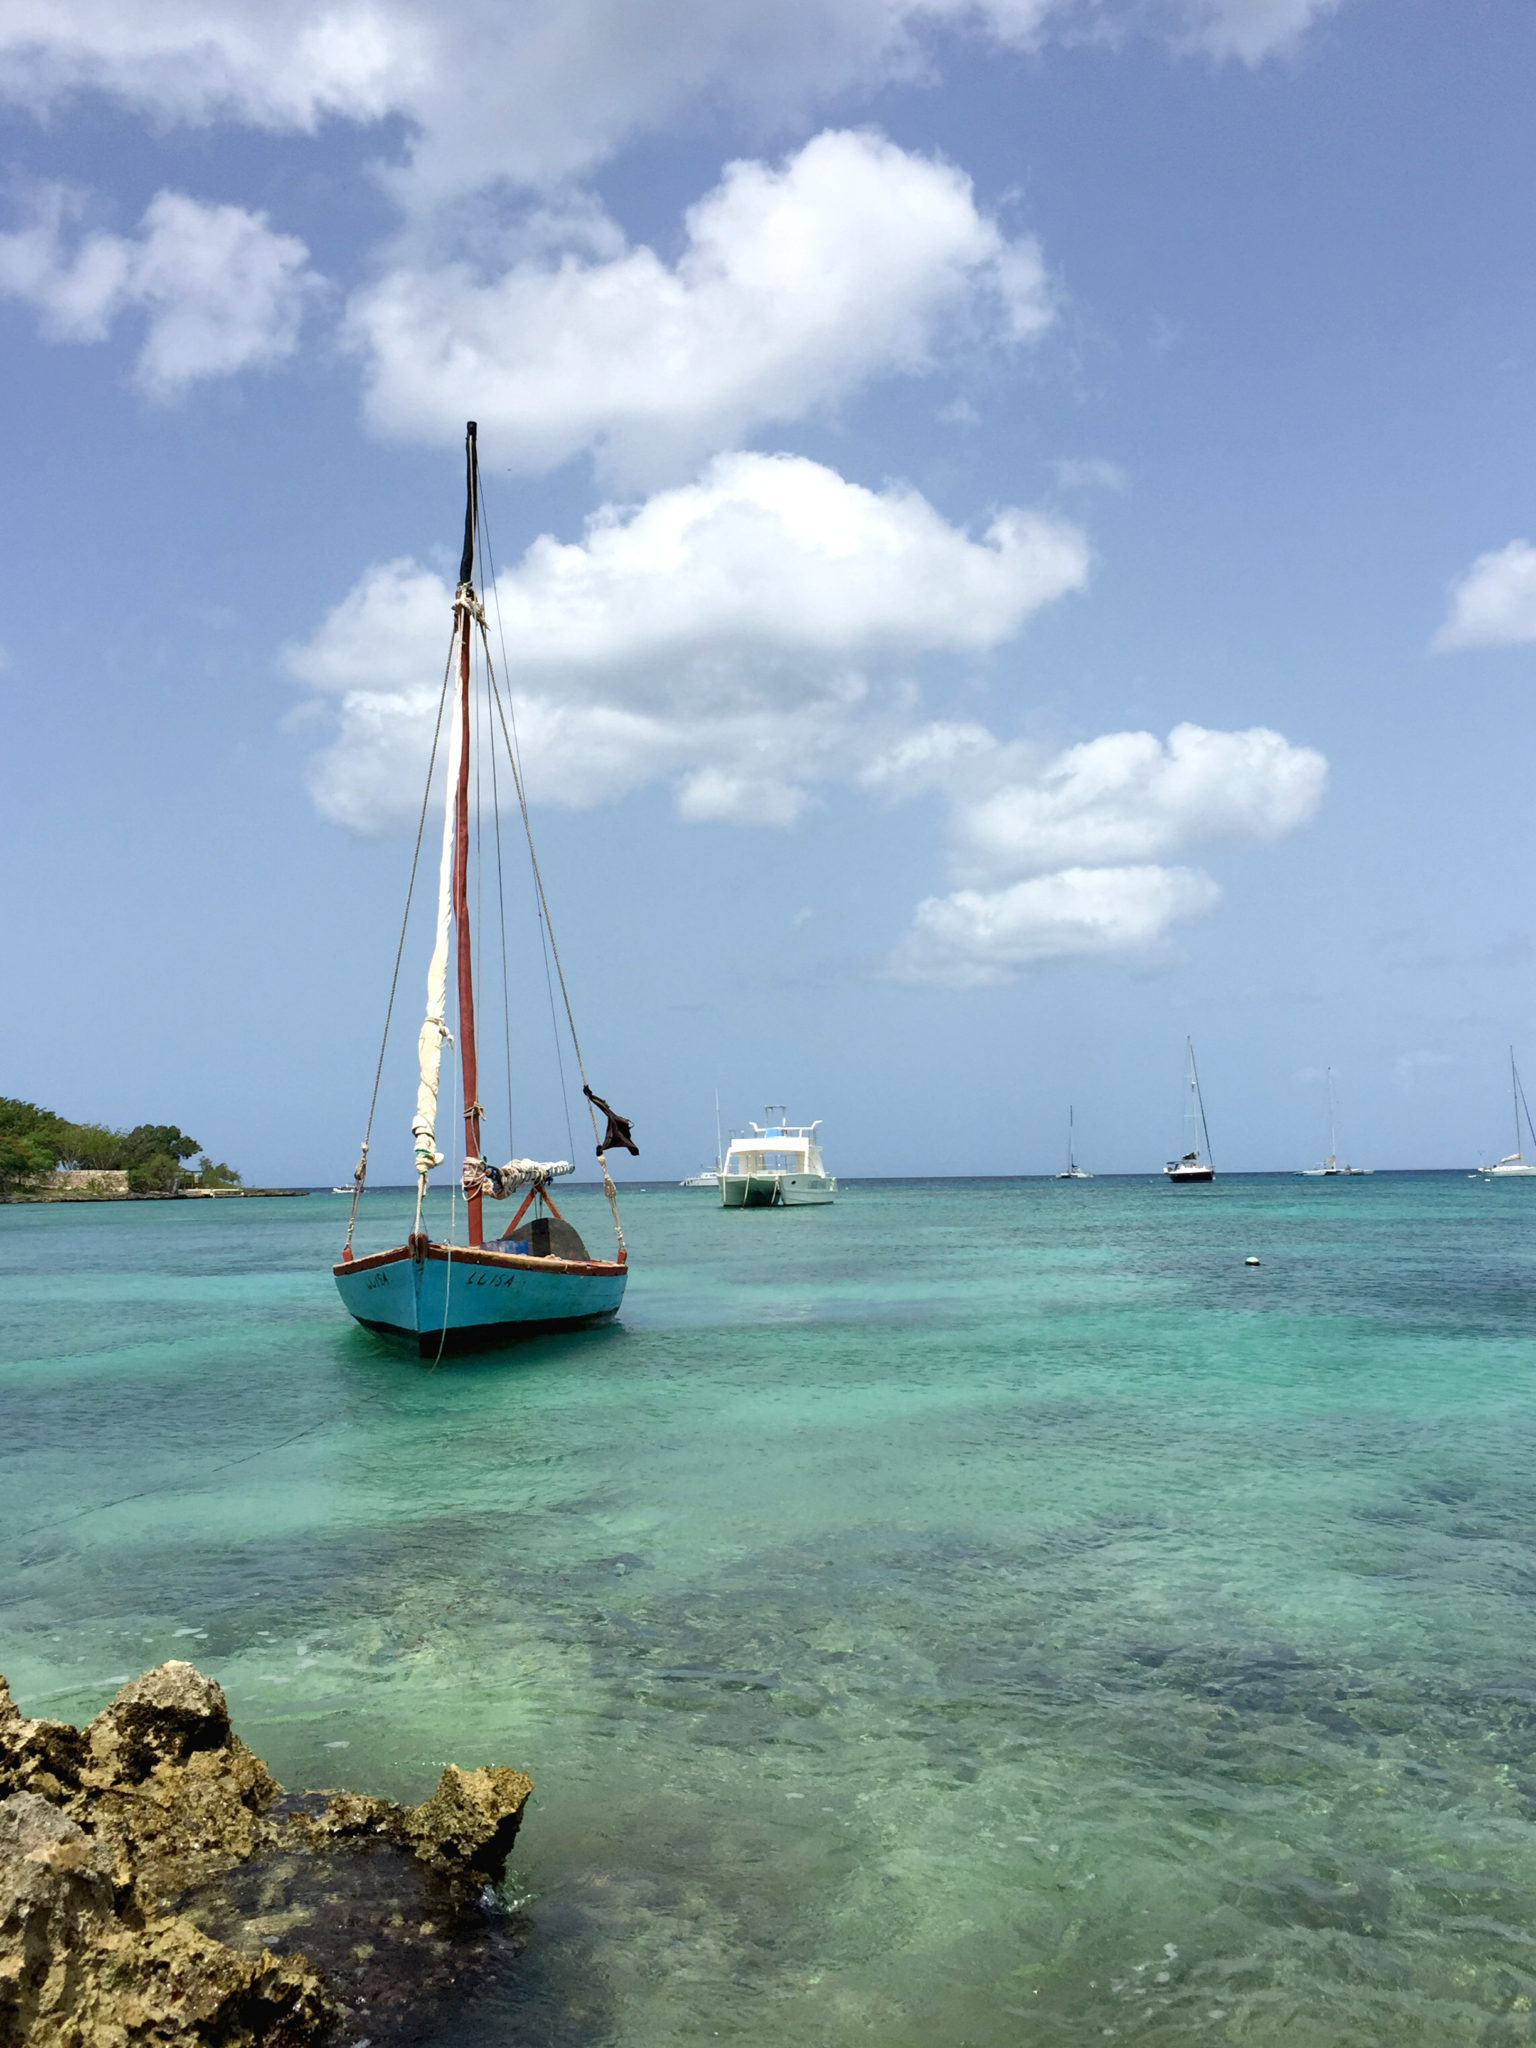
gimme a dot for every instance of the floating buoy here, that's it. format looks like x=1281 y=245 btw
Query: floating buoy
x=1250 y=1262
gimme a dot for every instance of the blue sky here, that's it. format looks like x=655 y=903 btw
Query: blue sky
x=1016 y=527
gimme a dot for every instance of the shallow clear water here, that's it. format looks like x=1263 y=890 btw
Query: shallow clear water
x=978 y=1613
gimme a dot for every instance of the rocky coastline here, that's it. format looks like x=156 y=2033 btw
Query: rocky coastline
x=159 y=1889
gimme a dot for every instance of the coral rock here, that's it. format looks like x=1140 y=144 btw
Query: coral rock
x=76 y=1973
x=470 y=1822
x=30 y=1751
x=117 y=1839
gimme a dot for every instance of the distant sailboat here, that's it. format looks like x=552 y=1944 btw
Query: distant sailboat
x=707 y=1176
x=1514 y=1165
x=1072 y=1171
x=1331 y=1165
x=1195 y=1164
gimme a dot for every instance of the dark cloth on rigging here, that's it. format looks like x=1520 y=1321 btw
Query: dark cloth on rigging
x=617 y=1133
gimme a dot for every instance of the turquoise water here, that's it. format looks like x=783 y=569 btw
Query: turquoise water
x=979 y=1613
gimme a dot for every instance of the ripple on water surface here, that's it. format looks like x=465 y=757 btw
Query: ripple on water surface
x=979 y=1612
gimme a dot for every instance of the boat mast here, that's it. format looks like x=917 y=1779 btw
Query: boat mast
x=1333 y=1124
x=1514 y=1089
x=1190 y=1110
x=1071 y=1162
x=1197 y=1129
x=464 y=604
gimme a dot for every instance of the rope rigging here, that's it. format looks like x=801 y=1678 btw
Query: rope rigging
x=480 y=1177
x=360 y=1171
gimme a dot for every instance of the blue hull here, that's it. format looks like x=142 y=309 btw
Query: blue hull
x=447 y=1299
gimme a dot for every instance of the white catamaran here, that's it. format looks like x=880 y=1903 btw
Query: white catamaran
x=1332 y=1165
x=775 y=1165
x=442 y=1293
x=1514 y=1165
x=1195 y=1164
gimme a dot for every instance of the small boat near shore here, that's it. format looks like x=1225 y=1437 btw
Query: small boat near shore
x=1195 y=1164
x=775 y=1165
x=453 y=1290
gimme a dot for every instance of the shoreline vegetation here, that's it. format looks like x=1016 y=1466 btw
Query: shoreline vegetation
x=44 y=1157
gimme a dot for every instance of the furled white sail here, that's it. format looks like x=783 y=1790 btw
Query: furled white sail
x=434 y=1030
x=522 y=1173
x=481 y=1178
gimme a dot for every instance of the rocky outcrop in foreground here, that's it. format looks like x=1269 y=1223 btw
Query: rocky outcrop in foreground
x=158 y=1887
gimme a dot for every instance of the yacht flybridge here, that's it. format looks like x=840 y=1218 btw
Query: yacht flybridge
x=775 y=1165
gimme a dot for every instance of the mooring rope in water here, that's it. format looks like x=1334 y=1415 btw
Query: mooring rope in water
x=100 y=1507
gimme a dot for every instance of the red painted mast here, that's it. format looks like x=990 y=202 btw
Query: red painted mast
x=461 y=842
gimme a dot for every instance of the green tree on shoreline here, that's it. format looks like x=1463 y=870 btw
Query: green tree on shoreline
x=34 y=1140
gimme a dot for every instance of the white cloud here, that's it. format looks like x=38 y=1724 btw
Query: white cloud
x=1494 y=604
x=219 y=290
x=1129 y=796
x=797 y=284
x=750 y=635
x=1250 y=30
x=1082 y=830
x=936 y=756
x=978 y=937
x=1409 y=1068
x=544 y=89
x=745 y=635
x=1090 y=473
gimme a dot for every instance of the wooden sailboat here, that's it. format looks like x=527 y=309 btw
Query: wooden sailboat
x=537 y=1275
x=1195 y=1164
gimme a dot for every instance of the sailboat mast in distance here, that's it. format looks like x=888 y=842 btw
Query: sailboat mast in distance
x=1332 y=1167
x=1072 y=1170
x=1521 y=1104
x=1195 y=1164
x=1514 y=1165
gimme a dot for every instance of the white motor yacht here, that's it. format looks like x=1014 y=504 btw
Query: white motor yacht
x=775 y=1165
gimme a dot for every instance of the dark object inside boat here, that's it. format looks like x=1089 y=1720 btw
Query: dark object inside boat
x=543 y=1237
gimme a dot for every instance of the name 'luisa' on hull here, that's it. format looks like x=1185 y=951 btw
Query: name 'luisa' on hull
x=537 y=1275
